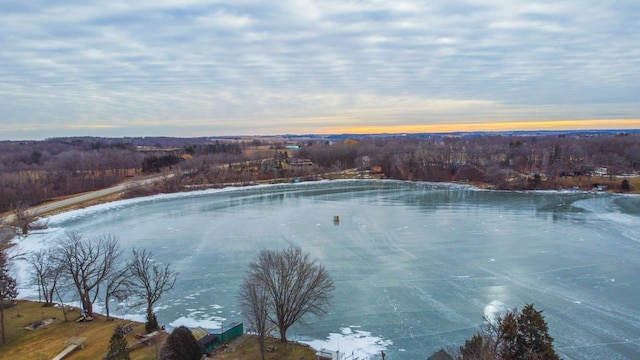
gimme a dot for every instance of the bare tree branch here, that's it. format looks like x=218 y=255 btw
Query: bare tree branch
x=87 y=263
x=255 y=304
x=296 y=286
x=118 y=285
x=47 y=273
x=151 y=280
x=26 y=220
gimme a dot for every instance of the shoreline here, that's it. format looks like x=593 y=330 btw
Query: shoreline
x=80 y=201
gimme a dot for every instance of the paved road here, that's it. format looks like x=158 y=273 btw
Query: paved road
x=77 y=199
x=89 y=196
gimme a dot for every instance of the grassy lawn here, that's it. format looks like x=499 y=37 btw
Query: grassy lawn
x=46 y=342
x=246 y=348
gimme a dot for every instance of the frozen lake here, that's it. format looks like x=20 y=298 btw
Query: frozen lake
x=415 y=265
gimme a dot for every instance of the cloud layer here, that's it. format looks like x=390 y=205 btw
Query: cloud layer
x=192 y=67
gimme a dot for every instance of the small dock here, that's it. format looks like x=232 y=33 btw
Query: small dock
x=74 y=343
x=144 y=338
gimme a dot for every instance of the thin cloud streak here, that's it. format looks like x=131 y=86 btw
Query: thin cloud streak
x=250 y=67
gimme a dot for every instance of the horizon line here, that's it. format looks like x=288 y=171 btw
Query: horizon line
x=541 y=125
x=462 y=127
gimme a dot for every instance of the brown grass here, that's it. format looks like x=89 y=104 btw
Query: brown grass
x=246 y=348
x=46 y=342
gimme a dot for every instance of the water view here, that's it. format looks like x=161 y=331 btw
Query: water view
x=416 y=265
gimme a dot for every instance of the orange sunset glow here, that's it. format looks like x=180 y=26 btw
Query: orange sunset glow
x=492 y=126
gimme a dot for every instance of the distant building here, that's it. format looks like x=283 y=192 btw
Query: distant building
x=300 y=162
x=600 y=172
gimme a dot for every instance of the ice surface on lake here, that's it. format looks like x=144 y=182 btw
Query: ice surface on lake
x=416 y=265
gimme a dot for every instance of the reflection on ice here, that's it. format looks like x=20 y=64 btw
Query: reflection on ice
x=494 y=310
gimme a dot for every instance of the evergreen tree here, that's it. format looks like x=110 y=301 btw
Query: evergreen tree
x=476 y=348
x=507 y=336
x=625 y=185
x=118 y=345
x=8 y=289
x=518 y=335
x=180 y=345
x=533 y=339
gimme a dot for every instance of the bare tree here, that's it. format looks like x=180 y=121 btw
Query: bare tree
x=61 y=293
x=87 y=263
x=117 y=285
x=47 y=272
x=150 y=281
x=255 y=304
x=8 y=288
x=7 y=233
x=25 y=220
x=296 y=286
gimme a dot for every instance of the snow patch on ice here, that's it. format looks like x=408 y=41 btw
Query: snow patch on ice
x=212 y=322
x=360 y=343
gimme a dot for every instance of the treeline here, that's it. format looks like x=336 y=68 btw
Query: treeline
x=508 y=162
x=35 y=171
x=499 y=161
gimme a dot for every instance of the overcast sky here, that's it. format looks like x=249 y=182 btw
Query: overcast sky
x=245 y=67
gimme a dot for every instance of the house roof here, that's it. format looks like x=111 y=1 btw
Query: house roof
x=199 y=333
x=208 y=339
